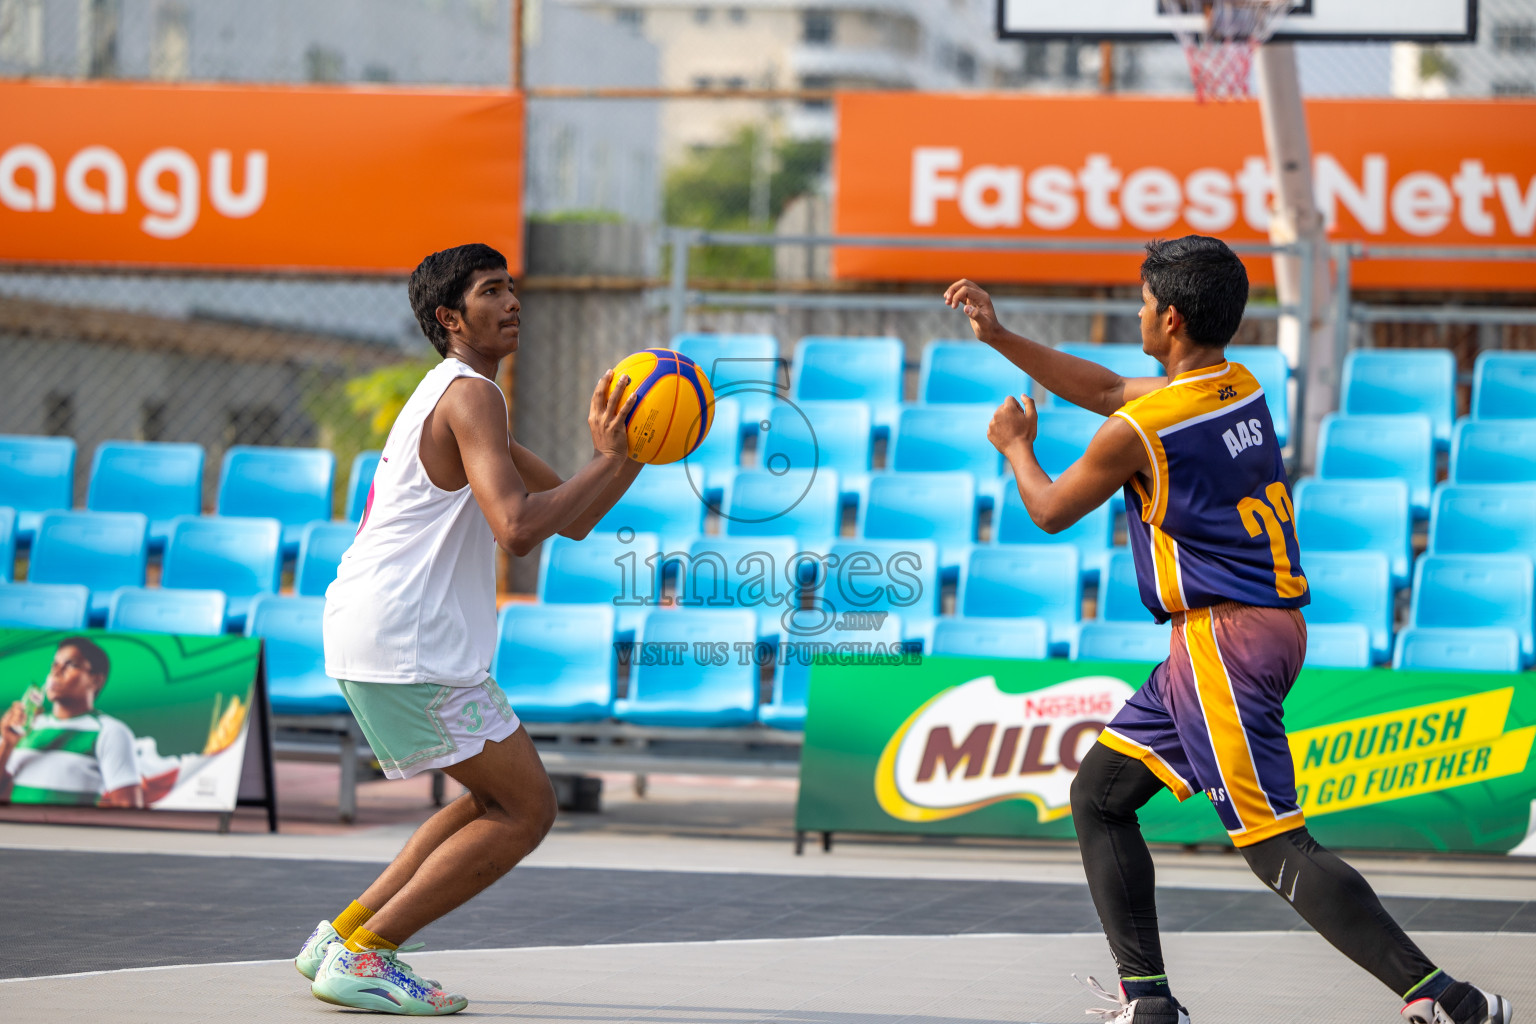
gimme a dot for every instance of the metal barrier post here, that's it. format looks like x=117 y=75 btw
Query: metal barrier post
x=1343 y=253
x=677 y=292
x=1304 y=349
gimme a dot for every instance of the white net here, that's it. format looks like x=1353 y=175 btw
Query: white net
x=1220 y=48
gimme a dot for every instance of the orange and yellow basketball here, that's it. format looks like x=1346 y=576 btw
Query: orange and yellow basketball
x=675 y=409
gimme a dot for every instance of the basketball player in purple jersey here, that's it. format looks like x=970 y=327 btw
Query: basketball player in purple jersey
x=1211 y=531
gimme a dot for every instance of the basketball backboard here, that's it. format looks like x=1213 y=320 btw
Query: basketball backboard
x=1421 y=21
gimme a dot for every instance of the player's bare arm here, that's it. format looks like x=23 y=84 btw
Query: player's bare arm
x=465 y=441
x=1079 y=381
x=539 y=475
x=1114 y=456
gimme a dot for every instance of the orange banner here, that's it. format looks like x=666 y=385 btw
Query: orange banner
x=1386 y=171
x=273 y=178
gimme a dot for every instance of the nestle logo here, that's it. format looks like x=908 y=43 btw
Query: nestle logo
x=1227 y=391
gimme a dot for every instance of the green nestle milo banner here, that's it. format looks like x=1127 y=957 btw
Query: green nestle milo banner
x=964 y=746
x=95 y=718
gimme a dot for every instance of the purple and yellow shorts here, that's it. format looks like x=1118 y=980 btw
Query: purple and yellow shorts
x=1209 y=718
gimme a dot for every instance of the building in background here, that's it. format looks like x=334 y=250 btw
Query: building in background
x=938 y=45
x=1502 y=63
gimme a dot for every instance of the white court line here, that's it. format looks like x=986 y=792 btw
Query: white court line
x=418 y=954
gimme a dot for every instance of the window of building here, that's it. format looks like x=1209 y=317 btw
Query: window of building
x=702 y=82
x=170 y=55
x=816 y=27
x=1508 y=87
x=737 y=15
x=21 y=33
x=816 y=82
x=735 y=82
x=965 y=65
x=377 y=73
x=701 y=15
x=323 y=64
x=1514 y=36
x=98 y=35
x=631 y=17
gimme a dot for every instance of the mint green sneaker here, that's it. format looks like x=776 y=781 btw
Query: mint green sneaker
x=315 y=947
x=377 y=980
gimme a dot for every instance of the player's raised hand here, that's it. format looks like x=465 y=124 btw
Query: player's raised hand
x=977 y=304
x=608 y=418
x=1013 y=424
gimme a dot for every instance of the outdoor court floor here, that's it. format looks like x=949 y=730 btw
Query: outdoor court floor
x=605 y=924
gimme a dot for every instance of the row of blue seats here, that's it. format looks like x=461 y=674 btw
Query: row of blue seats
x=239 y=556
x=164 y=480
x=871 y=371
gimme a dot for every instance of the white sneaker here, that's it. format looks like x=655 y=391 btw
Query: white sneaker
x=1145 y=1010
x=1461 y=1003
x=315 y=947
x=377 y=980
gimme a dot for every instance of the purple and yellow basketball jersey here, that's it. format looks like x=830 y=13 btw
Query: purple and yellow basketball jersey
x=1217 y=523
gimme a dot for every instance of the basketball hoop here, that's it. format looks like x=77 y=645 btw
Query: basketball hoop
x=1221 y=45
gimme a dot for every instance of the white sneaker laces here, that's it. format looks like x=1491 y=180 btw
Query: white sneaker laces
x=1117 y=1004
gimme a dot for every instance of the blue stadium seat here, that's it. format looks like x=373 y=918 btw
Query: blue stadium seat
x=193 y=612
x=1396 y=382
x=320 y=551
x=1338 y=644
x=1123 y=641
x=242 y=556
x=159 y=479
x=1458 y=650
x=689 y=690
x=1475 y=591
x=824 y=435
x=7 y=544
x=295 y=655
x=662 y=500
x=44 y=605
x=1504 y=385
x=940 y=507
x=1063 y=436
x=1091 y=535
x=37 y=475
x=851 y=369
x=742 y=572
x=1024 y=639
x=1356 y=515
x=900 y=577
x=602 y=570
x=1270 y=369
x=1026 y=579
x=1494 y=451
x=548 y=664
x=360 y=483
x=1125 y=360
x=792 y=674
x=102 y=550
x=1380 y=448
x=1119 y=592
x=291 y=485
x=1483 y=519
x=714 y=463
x=967 y=372
x=940 y=438
x=744 y=367
x=798 y=503
x=1351 y=587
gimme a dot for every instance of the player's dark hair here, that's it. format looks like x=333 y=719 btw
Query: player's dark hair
x=94 y=656
x=443 y=279
x=1204 y=280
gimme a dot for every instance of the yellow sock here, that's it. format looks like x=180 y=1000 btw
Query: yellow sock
x=350 y=920
x=362 y=939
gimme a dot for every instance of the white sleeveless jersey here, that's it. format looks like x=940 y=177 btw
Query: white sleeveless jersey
x=414 y=599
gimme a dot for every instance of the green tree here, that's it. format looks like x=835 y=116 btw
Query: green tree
x=355 y=415
x=712 y=188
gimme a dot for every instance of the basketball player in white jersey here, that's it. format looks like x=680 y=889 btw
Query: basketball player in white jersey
x=410 y=626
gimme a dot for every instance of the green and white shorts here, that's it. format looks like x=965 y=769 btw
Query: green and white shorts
x=415 y=726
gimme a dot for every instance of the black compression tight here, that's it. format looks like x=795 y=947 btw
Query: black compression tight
x=1330 y=895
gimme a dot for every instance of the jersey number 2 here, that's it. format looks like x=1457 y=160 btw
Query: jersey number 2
x=1258 y=515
